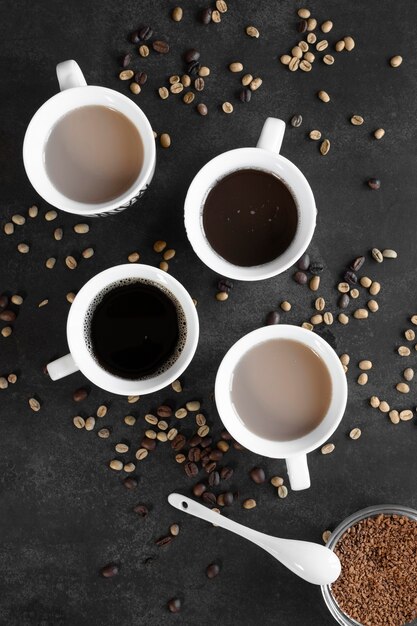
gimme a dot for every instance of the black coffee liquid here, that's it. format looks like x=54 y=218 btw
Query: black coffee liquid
x=250 y=217
x=135 y=331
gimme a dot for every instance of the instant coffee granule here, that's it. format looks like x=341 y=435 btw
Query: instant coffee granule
x=378 y=583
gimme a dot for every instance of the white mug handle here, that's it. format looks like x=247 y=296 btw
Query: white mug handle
x=70 y=75
x=298 y=473
x=62 y=367
x=271 y=135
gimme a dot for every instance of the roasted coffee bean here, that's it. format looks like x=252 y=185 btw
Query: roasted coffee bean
x=343 y=301
x=125 y=60
x=202 y=109
x=303 y=262
x=272 y=318
x=130 y=482
x=357 y=264
x=302 y=26
x=374 y=183
x=216 y=455
x=160 y=46
x=145 y=33
x=296 y=121
x=225 y=285
x=205 y=16
x=110 y=570
x=141 y=509
x=214 y=479
x=193 y=68
x=245 y=95
x=148 y=444
x=4 y=301
x=79 y=394
x=210 y=467
x=206 y=442
x=178 y=443
x=316 y=268
x=194 y=455
x=164 y=541
x=134 y=37
x=226 y=473
x=350 y=277
x=301 y=278
x=258 y=475
x=7 y=316
x=191 y=55
x=194 y=441
x=164 y=411
x=227 y=498
x=141 y=78
x=209 y=498
x=199 y=489
x=174 y=605
x=191 y=469
x=212 y=570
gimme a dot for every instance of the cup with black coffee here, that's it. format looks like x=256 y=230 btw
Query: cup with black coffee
x=250 y=212
x=88 y=150
x=131 y=330
x=281 y=392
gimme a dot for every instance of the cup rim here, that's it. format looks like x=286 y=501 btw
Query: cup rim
x=55 y=108
x=76 y=340
x=260 y=445
x=245 y=158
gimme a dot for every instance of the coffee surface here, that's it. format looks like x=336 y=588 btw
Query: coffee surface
x=136 y=330
x=281 y=389
x=93 y=154
x=250 y=217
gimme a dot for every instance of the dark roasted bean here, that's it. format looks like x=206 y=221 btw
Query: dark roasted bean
x=209 y=498
x=164 y=541
x=228 y=498
x=258 y=475
x=296 y=122
x=238 y=446
x=148 y=444
x=79 y=394
x=210 y=467
x=303 y=262
x=225 y=285
x=300 y=278
x=193 y=68
x=343 y=301
x=350 y=277
x=160 y=46
x=199 y=489
x=212 y=570
x=216 y=455
x=145 y=33
x=141 y=78
x=226 y=473
x=205 y=16
x=214 y=479
x=4 y=300
x=174 y=605
x=272 y=318
x=245 y=95
x=141 y=509
x=374 y=183
x=226 y=435
x=110 y=570
x=125 y=60
x=7 y=316
x=206 y=442
x=302 y=26
x=194 y=441
x=178 y=442
x=316 y=268
x=164 y=411
x=191 y=55
x=202 y=108
x=134 y=37
x=357 y=263
x=130 y=482
x=194 y=455
x=191 y=469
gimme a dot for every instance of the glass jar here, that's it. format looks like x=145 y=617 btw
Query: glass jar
x=372 y=511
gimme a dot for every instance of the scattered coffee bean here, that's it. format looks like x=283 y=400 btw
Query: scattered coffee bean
x=160 y=46
x=272 y=318
x=23 y=248
x=374 y=183
x=209 y=498
x=202 y=109
x=143 y=51
x=349 y=43
x=141 y=454
x=250 y=503
x=205 y=16
x=355 y=433
x=328 y=59
x=325 y=147
x=384 y=407
x=304 y=13
x=255 y=84
x=315 y=135
x=339 y=46
x=80 y=394
x=252 y=31
x=12 y=379
x=303 y=262
x=7 y=316
x=133 y=399
x=141 y=509
x=130 y=483
x=396 y=61
x=212 y=570
x=103 y=433
x=163 y=93
x=282 y=491
x=236 y=67
x=6 y=331
x=285 y=306
x=404 y=351
x=33 y=211
x=296 y=121
x=362 y=379
x=394 y=416
x=408 y=374
x=322 y=45
x=320 y=304
x=323 y=96
x=316 y=268
x=165 y=140
x=174 y=605
x=406 y=415
x=135 y=88
x=177 y=14
x=302 y=26
x=301 y=278
x=374 y=401
x=90 y=422
x=326 y=535
x=379 y=133
x=221 y=6
x=116 y=465
x=402 y=387
x=360 y=314
x=314 y=283
x=8 y=228
x=328 y=448
x=245 y=95
x=389 y=254
x=258 y=475
x=110 y=570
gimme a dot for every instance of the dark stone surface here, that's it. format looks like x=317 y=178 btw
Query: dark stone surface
x=64 y=515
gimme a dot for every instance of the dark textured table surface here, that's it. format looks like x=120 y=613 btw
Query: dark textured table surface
x=64 y=514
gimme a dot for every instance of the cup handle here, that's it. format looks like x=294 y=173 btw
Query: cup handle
x=272 y=135
x=298 y=473
x=62 y=367
x=69 y=75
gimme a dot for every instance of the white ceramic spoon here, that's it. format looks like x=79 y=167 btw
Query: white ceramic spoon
x=315 y=563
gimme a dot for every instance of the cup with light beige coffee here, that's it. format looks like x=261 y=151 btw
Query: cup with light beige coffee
x=89 y=150
x=281 y=392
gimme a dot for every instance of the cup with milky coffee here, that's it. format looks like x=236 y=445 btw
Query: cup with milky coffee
x=281 y=392
x=250 y=212
x=131 y=330
x=88 y=150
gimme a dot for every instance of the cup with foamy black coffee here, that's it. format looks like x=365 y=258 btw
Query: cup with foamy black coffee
x=89 y=150
x=250 y=212
x=131 y=330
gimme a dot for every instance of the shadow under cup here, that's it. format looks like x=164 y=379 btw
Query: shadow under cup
x=238 y=161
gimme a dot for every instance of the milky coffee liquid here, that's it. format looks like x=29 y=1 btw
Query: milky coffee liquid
x=93 y=154
x=281 y=389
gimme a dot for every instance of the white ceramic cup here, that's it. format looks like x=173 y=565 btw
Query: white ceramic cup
x=80 y=357
x=264 y=157
x=76 y=93
x=294 y=451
